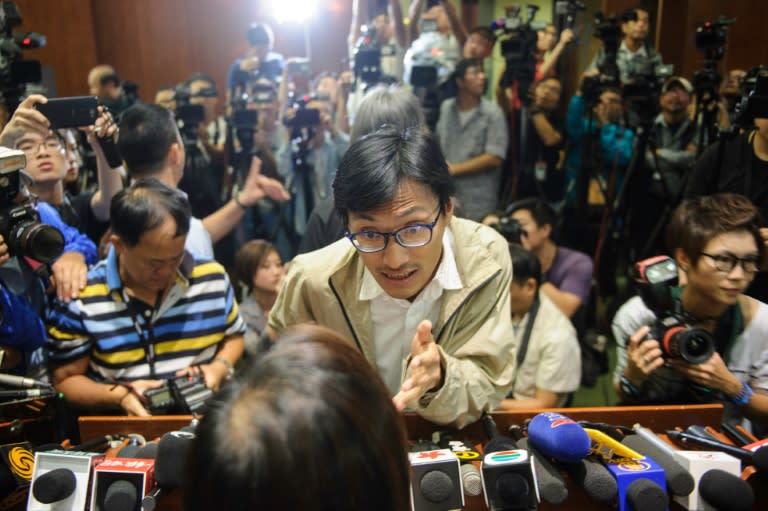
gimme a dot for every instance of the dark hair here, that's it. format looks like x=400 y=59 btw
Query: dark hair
x=630 y=13
x=696 y=221
x=199 y=76
x=111 y=77
x=144 y=206
x=484 y=32
x=525 y=265
x=310 y=426
x=248 y=259
x=260 y=33
x=542 y=213
x=390 y=105
x=464 y=64
x=374 y=166
x=147 y=132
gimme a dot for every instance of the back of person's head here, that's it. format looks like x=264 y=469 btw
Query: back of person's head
x=248 y=259
x=392 y=106
x=375 y=166
x=525 y=265
x=484 y=32
x=310 y=426
x=541 y=212
x=696 y=221
x=144 y=206
x=147 y=132
x=199 y=76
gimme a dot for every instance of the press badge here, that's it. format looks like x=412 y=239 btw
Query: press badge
x=540 y=171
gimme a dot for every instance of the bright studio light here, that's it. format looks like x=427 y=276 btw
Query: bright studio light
x=297 y=11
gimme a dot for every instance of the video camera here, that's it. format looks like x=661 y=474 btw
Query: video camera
x=754 y=98
x=569 y=9
x=305 y=120
x=16 y=72
x=183 y=395
x=608 y=30
x=368 y=51
x=519 y=39
x=710 y=38
x=655 y=278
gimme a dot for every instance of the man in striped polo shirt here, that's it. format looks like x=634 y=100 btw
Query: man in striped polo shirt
x=150 y=311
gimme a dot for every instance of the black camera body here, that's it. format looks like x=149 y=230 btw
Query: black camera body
x=518 y=47
x=183 y=395
x=19 y=222
x=510 y=228
x=655 y=278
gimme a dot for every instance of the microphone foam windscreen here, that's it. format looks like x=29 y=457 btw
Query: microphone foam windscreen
x=597 y=482
x=679 y=480
x=53 y=486
x=499 y=443
x=646 y=495
x=171 y=458
x=148 y=452
x=470 y=479
x=725 y=491
x=512 y=487
x=552 y=487
x=436 y=486
x=558 y=437
x=121 y=495
x=129 y=451
x=760 y=459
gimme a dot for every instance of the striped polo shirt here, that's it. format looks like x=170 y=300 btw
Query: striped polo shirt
x=122 y=336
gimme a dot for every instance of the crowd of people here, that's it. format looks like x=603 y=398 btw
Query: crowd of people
x=423 y=220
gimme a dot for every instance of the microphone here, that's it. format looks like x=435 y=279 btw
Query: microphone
x=552 y=487
x=594 y=478
x=120 y=483
x=641 y=484
x=758 y=458
x=558 y=437
x=15 y=474
x=26 y=394
x=471 y=480
x=508 y=476
x=11 y=380
x=699 y=463
x=679 y=481
x=62 y=478
x=435 y=481
x=725 y=491
x=171 y=457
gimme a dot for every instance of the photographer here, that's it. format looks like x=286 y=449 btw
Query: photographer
x=47 y=163
x=548 y=51
x=104 y=83
x=141 y=323
x=634 y=56
x=716 y=243
x=605 y=123
x=473 y=136
x=258 y=62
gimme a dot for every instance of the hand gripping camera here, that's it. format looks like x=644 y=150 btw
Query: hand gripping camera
x=656 y=277
x=183 y=395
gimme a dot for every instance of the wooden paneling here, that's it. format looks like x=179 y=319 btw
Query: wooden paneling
x=70 y=52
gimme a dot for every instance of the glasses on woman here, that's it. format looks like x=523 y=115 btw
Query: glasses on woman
x=410 y=236
x=727 y=262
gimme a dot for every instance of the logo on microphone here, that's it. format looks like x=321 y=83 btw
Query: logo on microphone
x=634 y=466
x=21 y=462
x=506 y=456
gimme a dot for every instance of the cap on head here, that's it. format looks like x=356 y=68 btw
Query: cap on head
x=677 y=80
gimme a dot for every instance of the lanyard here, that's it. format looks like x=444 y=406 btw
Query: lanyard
x=145 y=331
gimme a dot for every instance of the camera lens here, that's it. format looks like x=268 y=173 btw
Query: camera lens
x=694 y=345
x=40 y=242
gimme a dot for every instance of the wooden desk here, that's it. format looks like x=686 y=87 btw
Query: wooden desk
x=657 y=418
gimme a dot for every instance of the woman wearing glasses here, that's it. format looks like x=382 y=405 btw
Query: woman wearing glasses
x=717 y=245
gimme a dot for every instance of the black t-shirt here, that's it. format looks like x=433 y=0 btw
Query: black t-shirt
x=76 y=211
x=533 y=151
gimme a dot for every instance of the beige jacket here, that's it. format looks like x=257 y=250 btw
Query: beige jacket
x=473 y=332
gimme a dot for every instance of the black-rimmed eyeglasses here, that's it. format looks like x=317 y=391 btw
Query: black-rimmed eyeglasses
x=727 y=262
x=410 y=236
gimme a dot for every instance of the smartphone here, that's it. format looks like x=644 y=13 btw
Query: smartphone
x=70 y=112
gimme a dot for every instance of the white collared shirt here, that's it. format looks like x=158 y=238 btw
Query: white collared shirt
x=394 y=320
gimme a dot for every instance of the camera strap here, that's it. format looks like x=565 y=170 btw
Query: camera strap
x=532 y=312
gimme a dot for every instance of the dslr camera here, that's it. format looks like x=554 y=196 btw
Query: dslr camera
x=184 y=395
x=19 y=222
x=656 y=277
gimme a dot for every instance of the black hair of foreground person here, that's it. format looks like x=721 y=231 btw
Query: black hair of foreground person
x=310 y=426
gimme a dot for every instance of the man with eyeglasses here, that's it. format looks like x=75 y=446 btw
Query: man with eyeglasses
x=423 y=294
